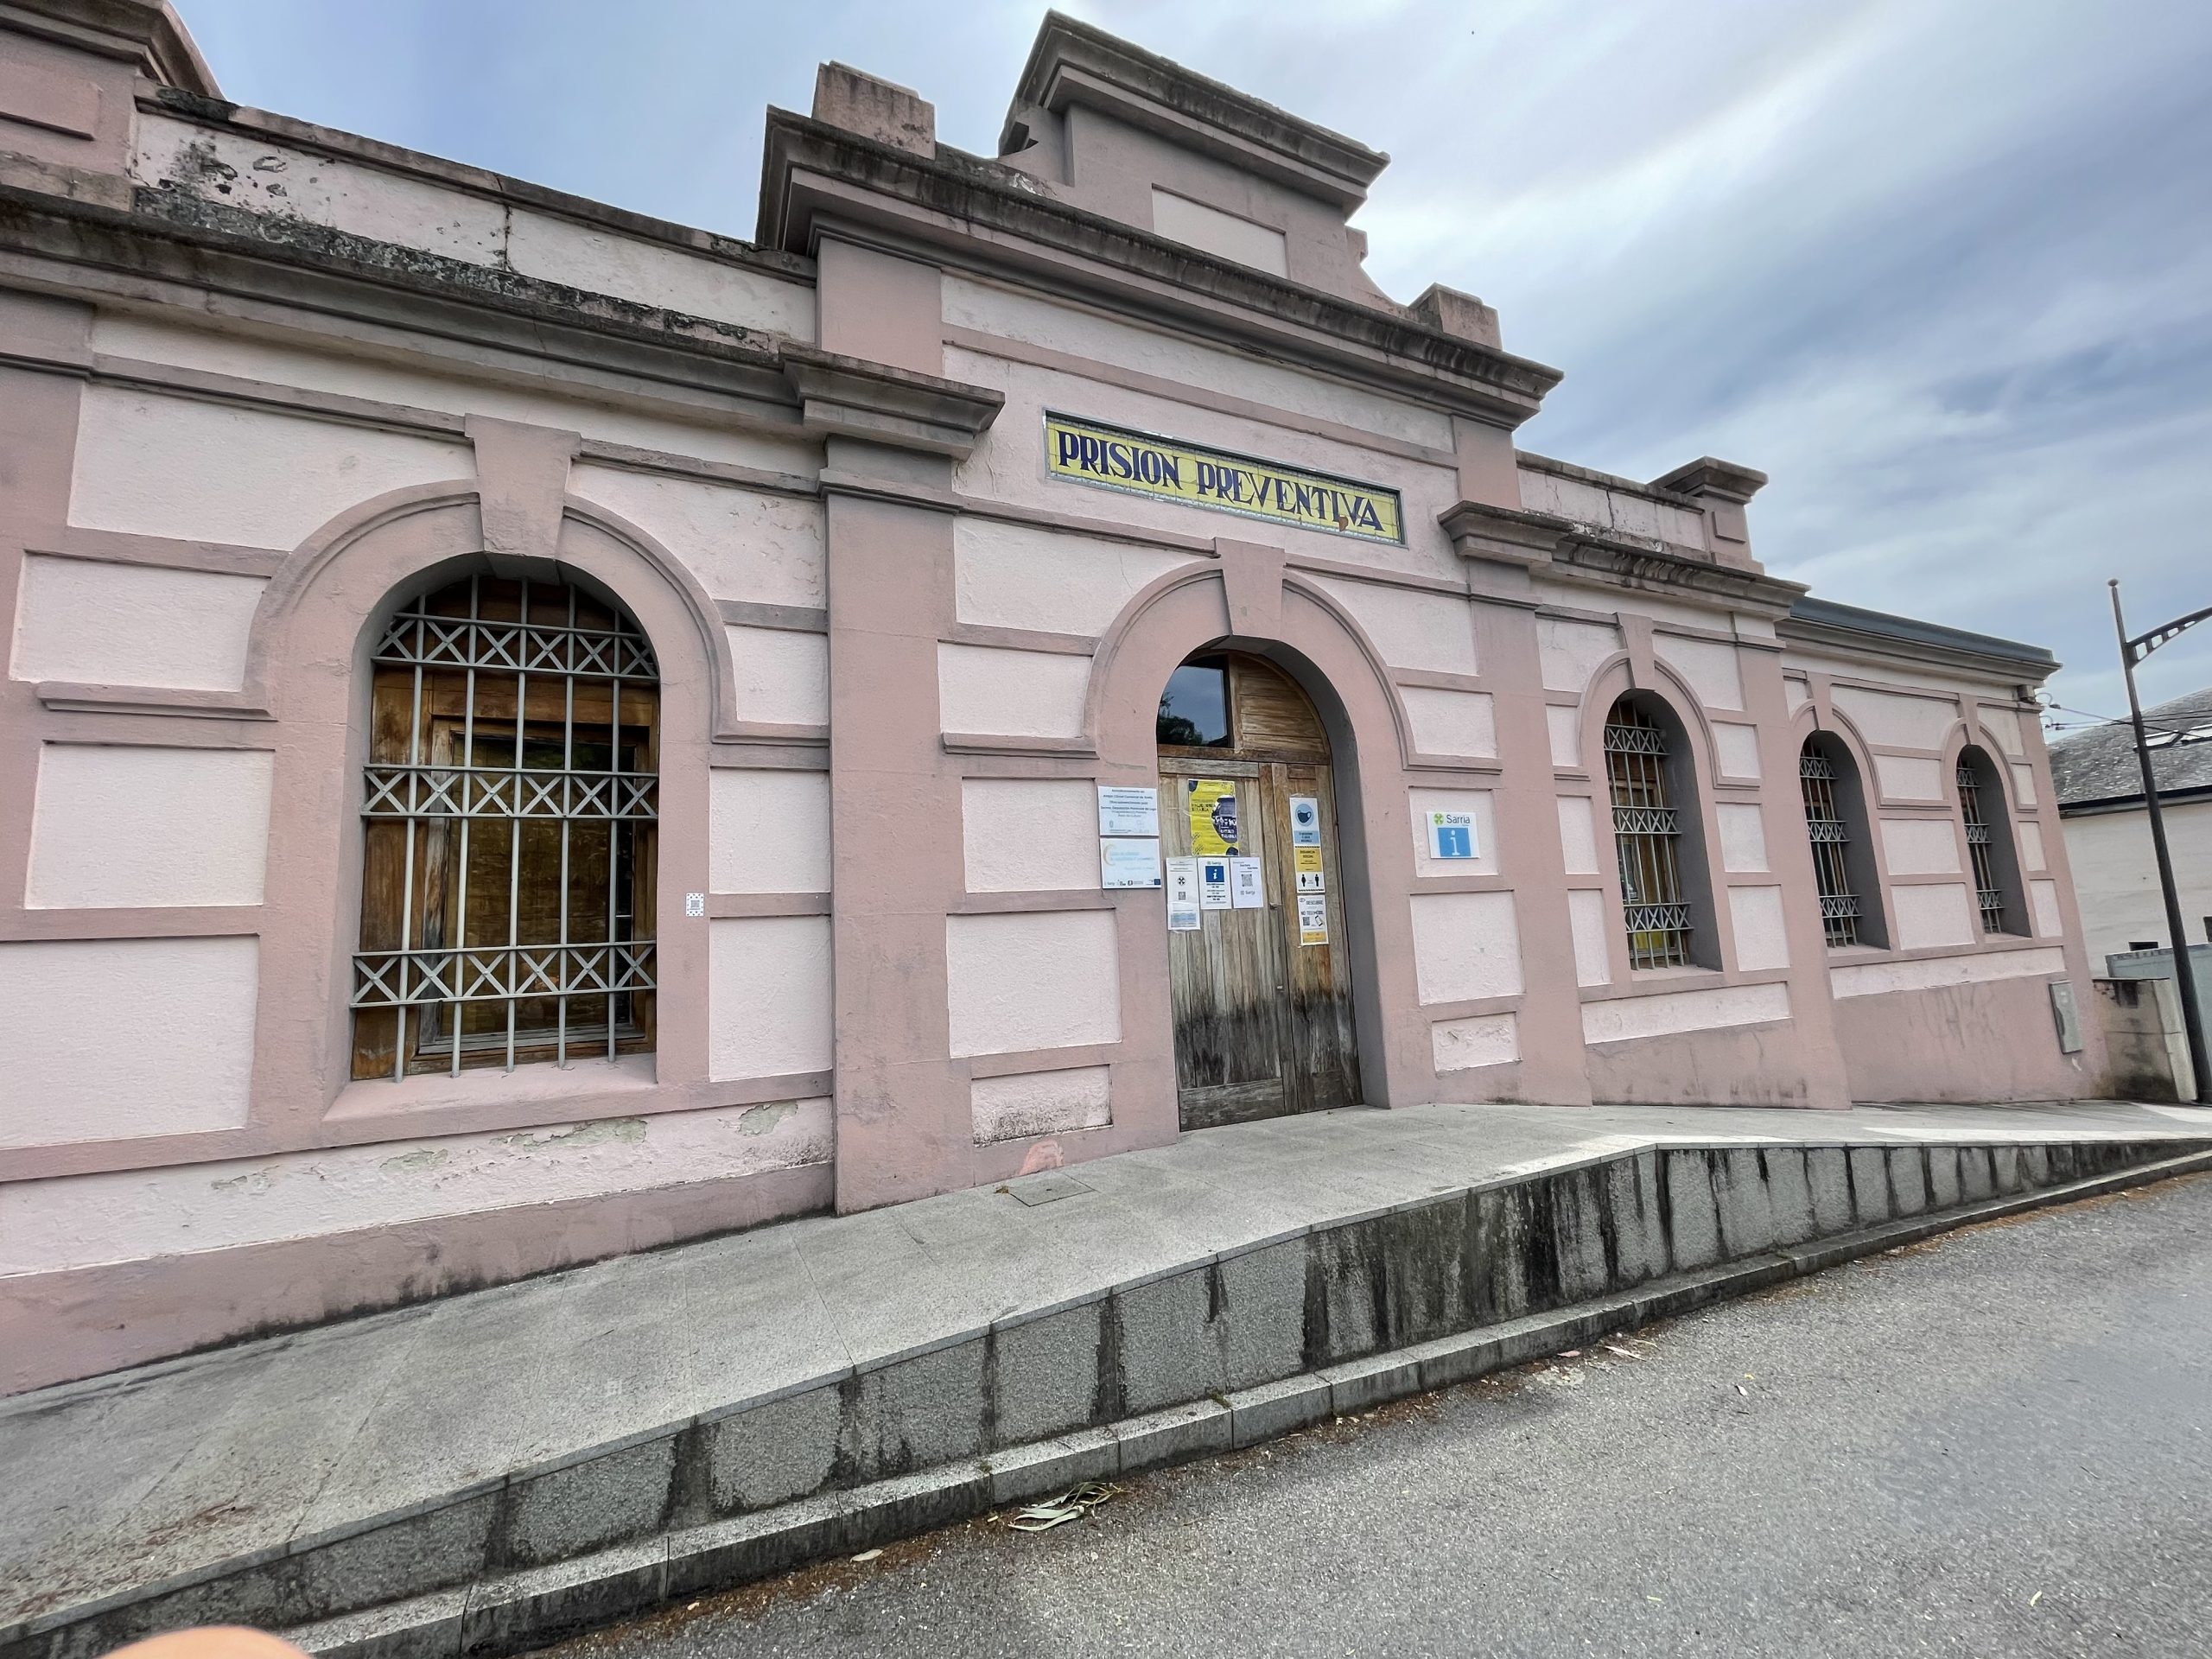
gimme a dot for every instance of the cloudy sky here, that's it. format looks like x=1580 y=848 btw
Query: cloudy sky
x=1941 y=268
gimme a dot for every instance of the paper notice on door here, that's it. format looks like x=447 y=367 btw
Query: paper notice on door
x=1213 y=884
x=1307 y=861
x=1128 y=810
x=1304 y=821
x=1312 y=919
x=1213 y=803
x=1125 y=861
x=1246 y=890
x=1183 y=896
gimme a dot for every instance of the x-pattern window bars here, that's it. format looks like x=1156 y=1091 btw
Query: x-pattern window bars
x=1987 y=893
x=510 y=806
x=1645 y=834
x=1824 y=823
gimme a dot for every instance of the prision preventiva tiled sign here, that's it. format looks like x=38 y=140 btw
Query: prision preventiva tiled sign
x=1139 y=463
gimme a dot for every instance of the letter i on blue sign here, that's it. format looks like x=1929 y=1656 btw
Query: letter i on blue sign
x=1452 y=834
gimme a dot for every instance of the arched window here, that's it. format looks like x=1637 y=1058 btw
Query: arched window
x=1989 y=843
x=1843 y=864
x=1664 y=895
x=508 y=838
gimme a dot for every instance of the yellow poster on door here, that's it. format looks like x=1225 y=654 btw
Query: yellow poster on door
x=1213 y=803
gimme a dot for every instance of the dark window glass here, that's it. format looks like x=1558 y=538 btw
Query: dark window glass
x=1194 y=709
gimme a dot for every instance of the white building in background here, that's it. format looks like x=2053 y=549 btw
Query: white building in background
x=2100 y=786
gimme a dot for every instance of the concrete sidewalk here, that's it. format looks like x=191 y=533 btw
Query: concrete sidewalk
x=306 y=1452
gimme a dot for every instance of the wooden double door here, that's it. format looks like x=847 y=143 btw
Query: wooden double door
x=1260 y=983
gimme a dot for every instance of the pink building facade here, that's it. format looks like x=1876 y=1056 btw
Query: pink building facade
x=532 y=732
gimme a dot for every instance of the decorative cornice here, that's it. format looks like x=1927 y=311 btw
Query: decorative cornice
x=1705 y=476
x=230 y=261
x=1612 y=563
x=987 y=217
x=847 y=397
x=1075 y=63
x=1859 y=632
x=1503 y=535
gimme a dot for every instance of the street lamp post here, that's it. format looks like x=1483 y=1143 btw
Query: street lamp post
x=2132 y=651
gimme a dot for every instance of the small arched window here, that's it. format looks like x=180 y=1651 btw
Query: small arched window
x=1656 y=841
x=509 y=811
x=1989 y=843
x=1843 y=863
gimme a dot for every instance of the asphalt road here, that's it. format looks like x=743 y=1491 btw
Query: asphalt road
x=1994 y=1443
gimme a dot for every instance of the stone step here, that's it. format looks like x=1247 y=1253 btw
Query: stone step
x=1176 y=1363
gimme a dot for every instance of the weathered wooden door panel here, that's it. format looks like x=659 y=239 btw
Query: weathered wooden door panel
x=1223 y=977
x=1319 y=1060
x=1264 y=1019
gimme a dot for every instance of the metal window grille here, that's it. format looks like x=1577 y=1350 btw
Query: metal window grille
x=508 y=816
x=1839 y=904
x=1980 y=849
x=1645 y=834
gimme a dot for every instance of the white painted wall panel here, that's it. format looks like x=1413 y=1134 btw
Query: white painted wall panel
x=783 y=676
x=1433 y=631
x=2024 y=784
x=1564 y=727
x=1942 y=913
x=1022 y=577
x=1920 y=846
x=1590 y=919
x=1676 y=1011
x=1897 y=720
x=1909 y=778
x=131 y=1214
x=1762 y=931
x=1879 y=978
x=117 y=825
x=1043 y=980
x=769 y=997
x=742 y=544
x=1451 y=722
x=2032 y=856
x=109 y=1040
x=1465 y=1045
x=2005 y=724
x=1041 y=1103
x=2043 y=897
x=1011 y=693
x=1709 y=667
x=1736 y=748
x=1029 y=834
x=335 y=369
x=1466 y=945
x=1577 y=835
x=1210 y=230
x=197 y=470
x=133 y=624
x=1743 y=837
x=768 y=831
x=1570 y=652
x=1481 y=803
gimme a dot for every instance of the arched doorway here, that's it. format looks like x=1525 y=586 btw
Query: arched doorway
x=1259 y=966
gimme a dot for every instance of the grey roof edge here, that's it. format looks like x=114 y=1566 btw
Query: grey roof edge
x=1829 y=615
